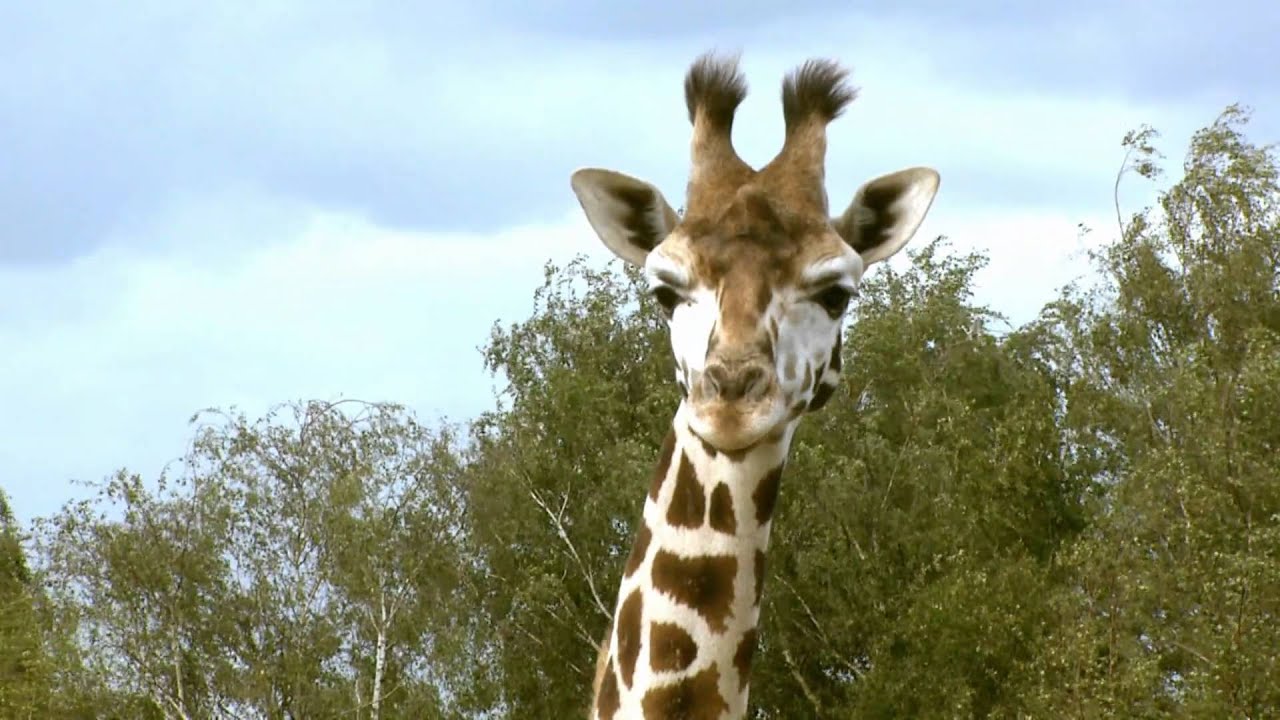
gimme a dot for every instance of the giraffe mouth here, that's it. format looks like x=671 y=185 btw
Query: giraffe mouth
x=735 y=451
x=733 y=429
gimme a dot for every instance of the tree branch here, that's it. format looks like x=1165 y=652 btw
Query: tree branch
x=804 y=685
x=557 y=522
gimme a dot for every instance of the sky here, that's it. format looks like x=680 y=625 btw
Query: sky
x=238 y=205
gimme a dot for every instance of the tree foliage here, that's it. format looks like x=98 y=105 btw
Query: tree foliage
x=24 y=668
x=1172 y=602
x=299 y=567
x=1079 y=517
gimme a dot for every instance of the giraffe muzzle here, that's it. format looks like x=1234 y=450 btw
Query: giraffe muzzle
x=736 y=382
x=736 y=402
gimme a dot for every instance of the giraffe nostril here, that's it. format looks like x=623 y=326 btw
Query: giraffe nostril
x=734 y=383
x=754 y=381
x=716 y=379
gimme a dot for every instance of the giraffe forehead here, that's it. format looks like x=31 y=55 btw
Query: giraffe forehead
x=719 y=257
x=749 y=229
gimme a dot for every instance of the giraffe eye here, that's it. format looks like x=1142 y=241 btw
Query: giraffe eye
x=834 y=300
x=667 y=298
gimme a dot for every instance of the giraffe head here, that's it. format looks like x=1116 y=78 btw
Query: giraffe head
x=755 y=277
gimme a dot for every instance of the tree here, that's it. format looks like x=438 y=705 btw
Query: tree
x=345 y=548
x=1173 y=373
x=920 y=515
x=555 y=476
x=299 y=567
x=24 y=670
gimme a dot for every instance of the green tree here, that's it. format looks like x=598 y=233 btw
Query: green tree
x=555 y=478
x=302 y=565
x=1172 y=368
x=24 y=668
x=920 y=515
x=345 y=535
x=145 y=597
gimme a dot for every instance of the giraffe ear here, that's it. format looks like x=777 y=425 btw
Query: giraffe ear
x=630 y=215
x=886 y=212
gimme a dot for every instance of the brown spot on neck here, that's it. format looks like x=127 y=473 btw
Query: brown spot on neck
x=704 y=584
x=721 y=515
x=670 y=647
x=607 y=701
x=688 y=507
x=693 y=698
x=760 y=566
x=664 y=464
x=742 y=658
x=766 y=494
x=639 y=549
x=628 y=635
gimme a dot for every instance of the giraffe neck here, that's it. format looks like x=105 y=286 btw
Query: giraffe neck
x=684 y=627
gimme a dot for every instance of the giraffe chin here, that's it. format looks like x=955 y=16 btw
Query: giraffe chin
x=732 y=429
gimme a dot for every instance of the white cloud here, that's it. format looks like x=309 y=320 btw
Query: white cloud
x=261 y=292
x=117 y=350
x=1031 y=254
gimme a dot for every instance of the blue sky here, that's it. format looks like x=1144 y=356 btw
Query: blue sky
x=243 y=204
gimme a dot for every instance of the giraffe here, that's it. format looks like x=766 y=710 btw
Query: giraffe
x=754 y=280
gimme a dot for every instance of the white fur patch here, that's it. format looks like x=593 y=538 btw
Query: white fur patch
x=691 y=326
